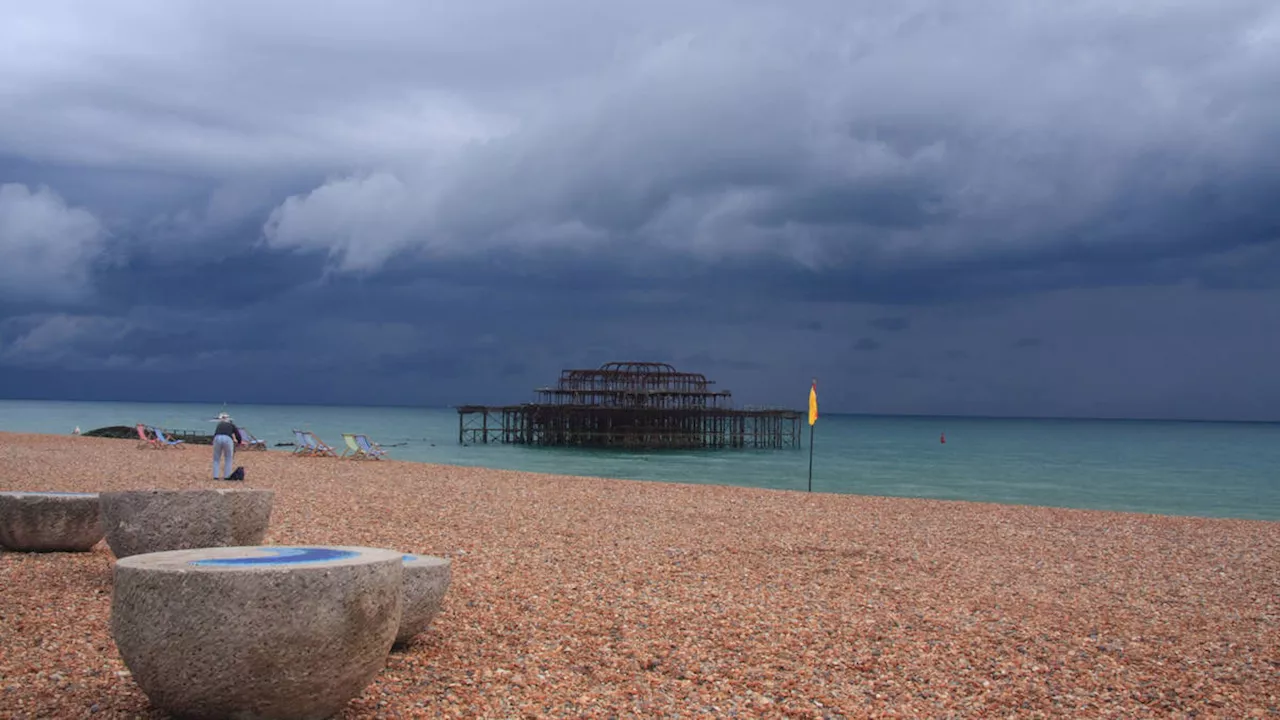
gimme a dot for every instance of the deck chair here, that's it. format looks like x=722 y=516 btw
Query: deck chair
x=352 y=447
x=302 y=443
x=370 y=448
x=309 y=444
x=163 y=440
x=144 y=440
x=320 y=447
x=253 y=442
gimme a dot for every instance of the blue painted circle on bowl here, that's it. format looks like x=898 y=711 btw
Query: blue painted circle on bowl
x=282 y=556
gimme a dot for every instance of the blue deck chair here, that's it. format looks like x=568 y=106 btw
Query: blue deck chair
x=303 y=444
x=309 y=444
x=253 y=442
x=320 y=447
x=165 y=440
x=370 y=448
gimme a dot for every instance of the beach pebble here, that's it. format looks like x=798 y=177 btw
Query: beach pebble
x=592 y=597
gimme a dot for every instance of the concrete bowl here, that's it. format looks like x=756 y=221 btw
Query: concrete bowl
x=146 y=521
x=256 y=632
x=49 y=521
x=426 y=580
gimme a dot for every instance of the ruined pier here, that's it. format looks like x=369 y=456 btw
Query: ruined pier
x=631 y=405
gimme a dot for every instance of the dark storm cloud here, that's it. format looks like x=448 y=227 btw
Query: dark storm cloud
x=891 y=324
x=866 y=344
x=460 y=192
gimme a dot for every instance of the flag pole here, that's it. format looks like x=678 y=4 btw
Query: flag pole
x=810 y=458
x=813 y=419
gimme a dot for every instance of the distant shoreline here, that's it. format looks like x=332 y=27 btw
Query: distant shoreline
x=1168 y=467
x=241 y=453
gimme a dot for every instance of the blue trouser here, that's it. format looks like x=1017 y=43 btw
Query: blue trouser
x=225 y=448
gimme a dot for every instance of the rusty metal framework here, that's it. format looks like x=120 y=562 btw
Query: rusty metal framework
x=638 y=405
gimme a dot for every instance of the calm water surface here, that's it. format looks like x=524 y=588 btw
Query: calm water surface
x=1177 y=468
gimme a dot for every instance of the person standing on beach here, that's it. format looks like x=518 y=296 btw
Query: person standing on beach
x=225 y=438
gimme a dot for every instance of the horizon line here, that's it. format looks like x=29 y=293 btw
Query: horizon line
x=908 y=415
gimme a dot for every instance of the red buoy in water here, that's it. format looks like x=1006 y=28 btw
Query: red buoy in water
x=944 y=437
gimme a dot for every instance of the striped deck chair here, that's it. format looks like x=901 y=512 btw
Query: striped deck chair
x=145 y=440
x=320 y=447
x=309 y=444
x=352 y=447
x=164 y=440
x=254 y=443
x=302 y=444
x=370 y=448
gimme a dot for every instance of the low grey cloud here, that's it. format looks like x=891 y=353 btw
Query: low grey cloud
x=46 y=244
x=60 y=337
x=501 y=190
x=714 y=133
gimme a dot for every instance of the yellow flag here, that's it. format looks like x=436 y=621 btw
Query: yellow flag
x=813 y=403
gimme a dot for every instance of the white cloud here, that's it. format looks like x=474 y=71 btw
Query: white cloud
x=722 y=129
x=46 y=245
x=361 y=221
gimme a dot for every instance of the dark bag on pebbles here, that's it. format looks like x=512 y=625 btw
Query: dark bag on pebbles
x=237 y=474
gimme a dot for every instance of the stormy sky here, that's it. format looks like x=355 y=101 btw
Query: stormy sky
x=1020 y=208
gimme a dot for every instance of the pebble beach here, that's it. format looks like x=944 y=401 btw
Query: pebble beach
x=586 y=597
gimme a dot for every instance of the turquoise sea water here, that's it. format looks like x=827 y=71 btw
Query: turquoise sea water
x=1175 y=468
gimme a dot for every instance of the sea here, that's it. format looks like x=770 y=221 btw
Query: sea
x=1203 y=469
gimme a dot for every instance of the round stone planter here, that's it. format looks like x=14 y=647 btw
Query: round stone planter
x=426 y=580
x=256 y=632
x=145 y=521
x=49 y=521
